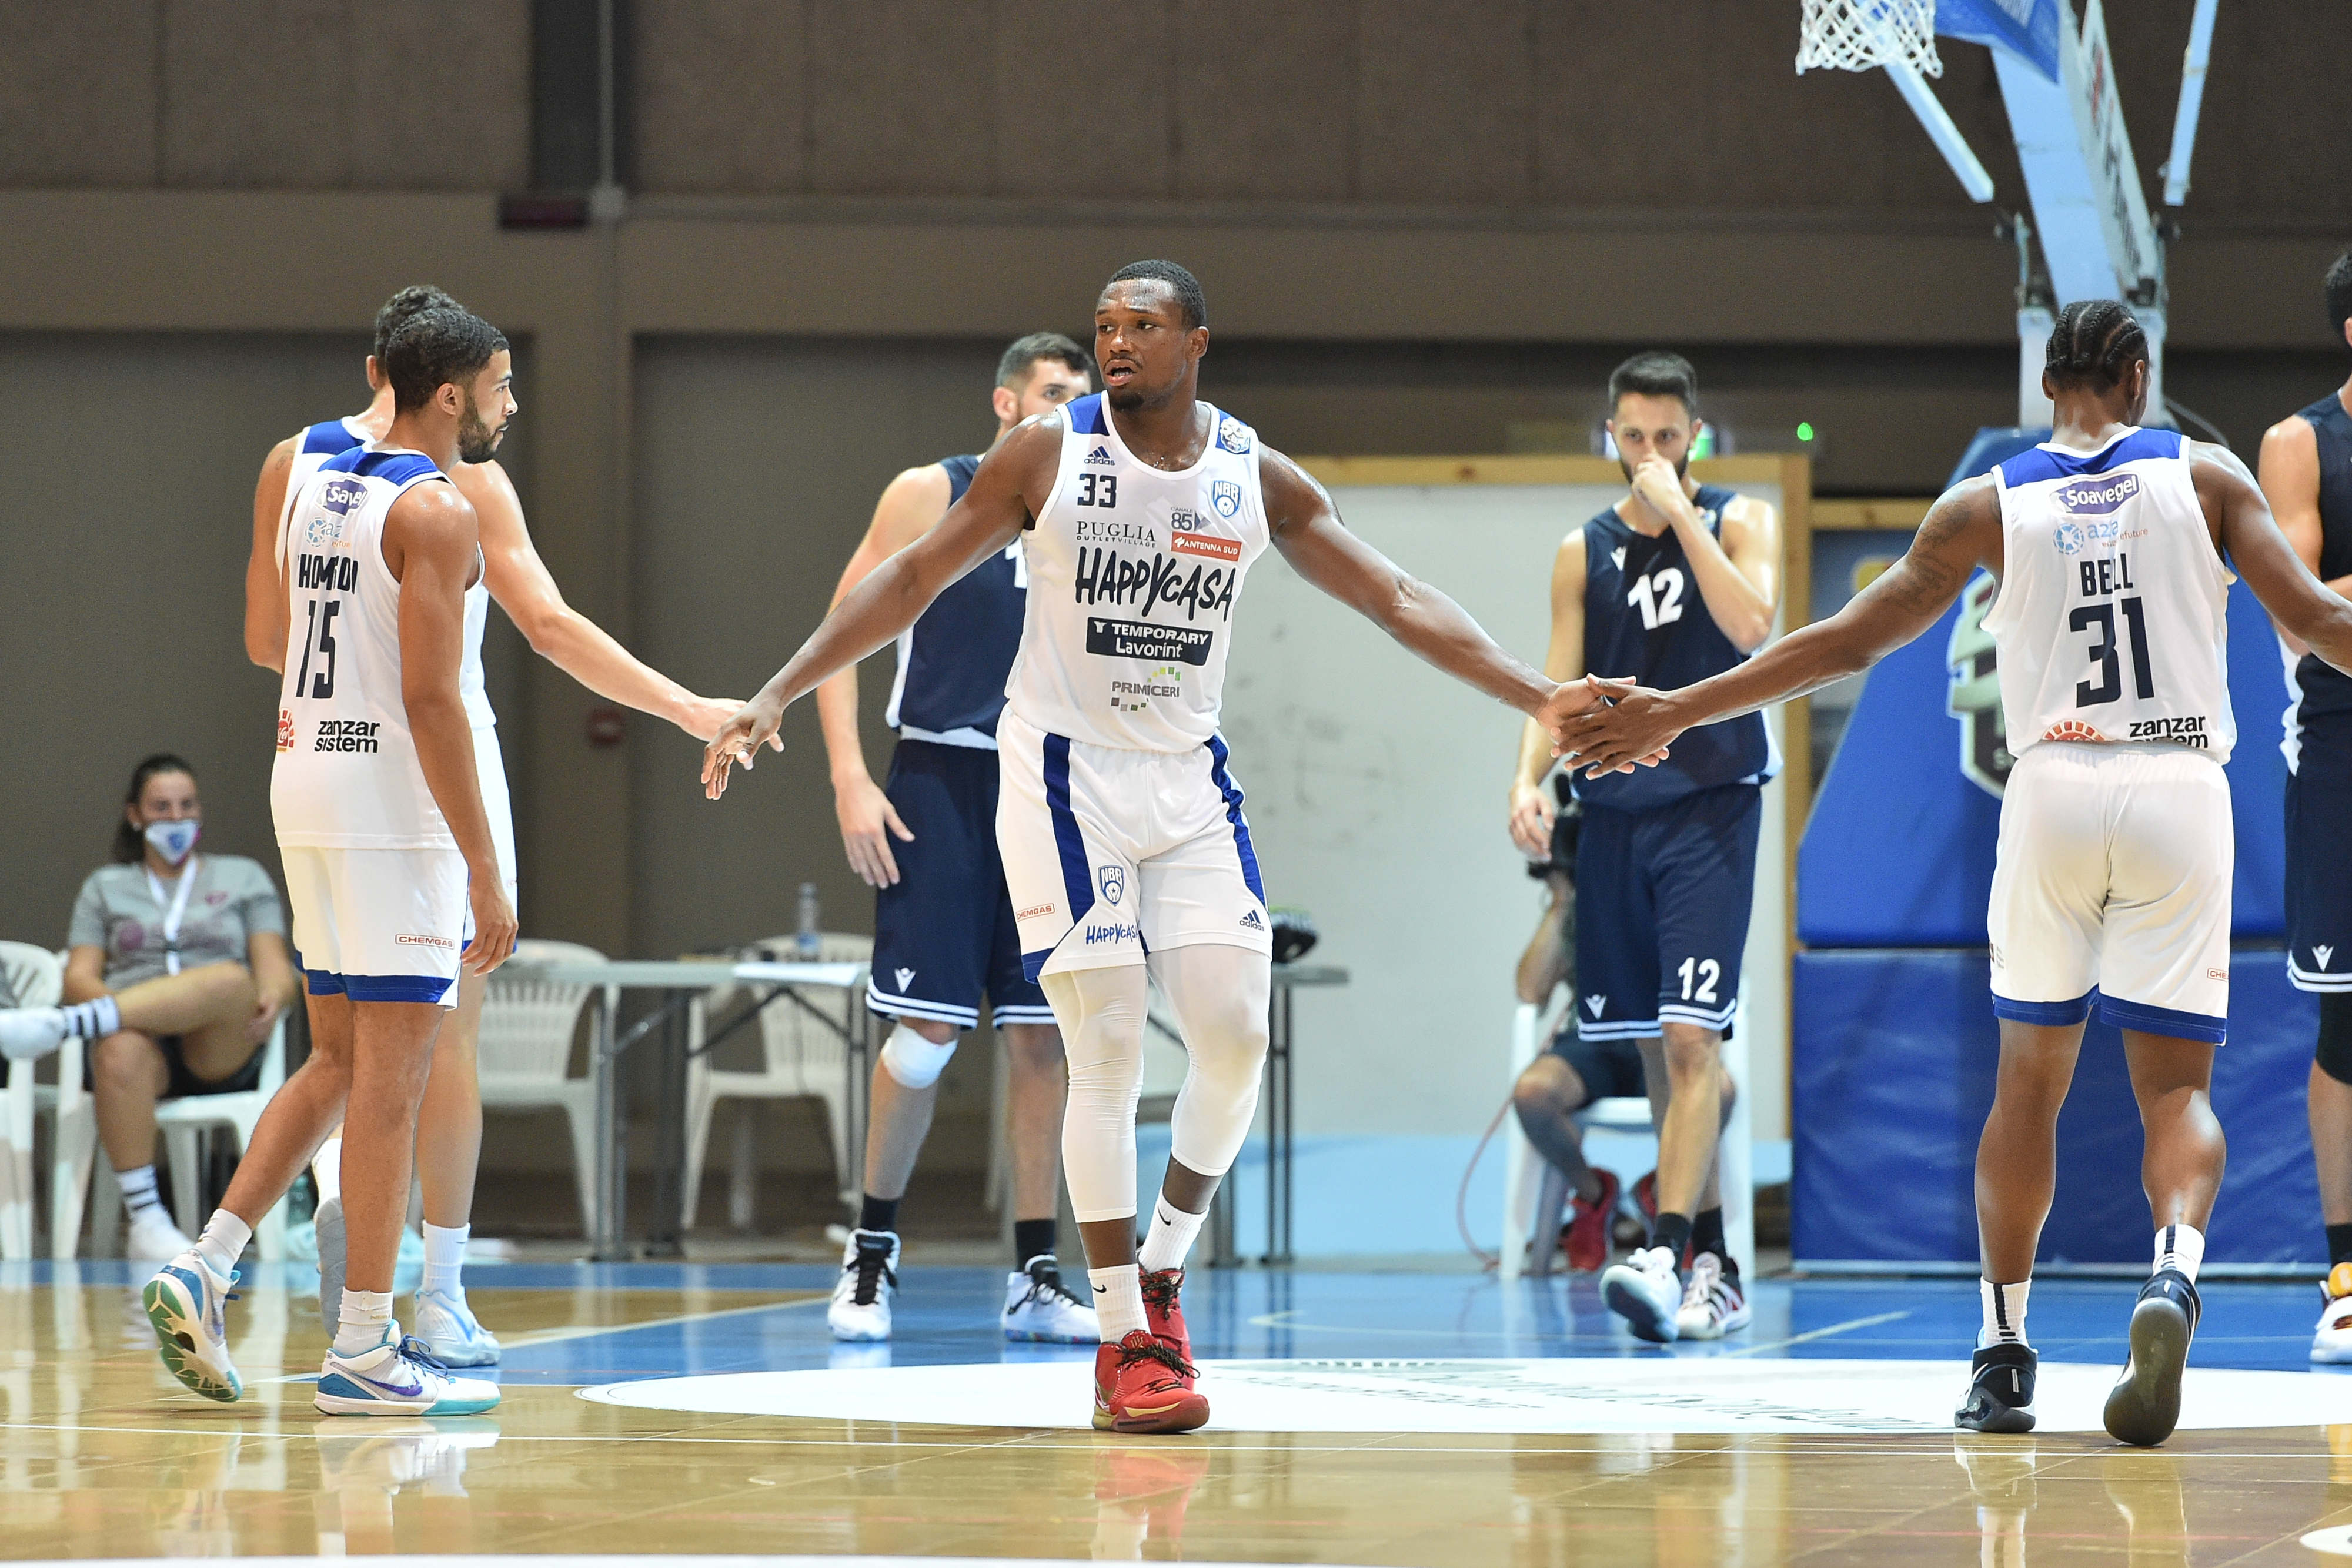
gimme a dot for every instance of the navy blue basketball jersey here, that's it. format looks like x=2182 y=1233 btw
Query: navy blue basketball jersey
x=1644 y=618
x=2320 y=688
x=953 y=661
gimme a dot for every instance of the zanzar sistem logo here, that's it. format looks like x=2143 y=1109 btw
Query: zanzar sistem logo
x=346 y=734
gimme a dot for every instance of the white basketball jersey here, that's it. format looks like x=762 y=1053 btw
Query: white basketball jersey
x=2109 y=623
x=1133 y=573
x=347 y=775
x=332 y=438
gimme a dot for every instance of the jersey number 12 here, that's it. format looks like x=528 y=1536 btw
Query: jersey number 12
x=1659 y=596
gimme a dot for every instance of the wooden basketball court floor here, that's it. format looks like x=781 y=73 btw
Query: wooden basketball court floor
x=1421 y=1419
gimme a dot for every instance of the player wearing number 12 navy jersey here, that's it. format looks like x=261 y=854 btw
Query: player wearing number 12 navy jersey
x=2112 y=888
x=1141 y=512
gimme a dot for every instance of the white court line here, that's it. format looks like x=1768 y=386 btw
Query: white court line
x=577 y=1331
x=1812 y=1335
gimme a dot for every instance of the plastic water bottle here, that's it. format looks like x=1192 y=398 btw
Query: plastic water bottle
x=807 y=944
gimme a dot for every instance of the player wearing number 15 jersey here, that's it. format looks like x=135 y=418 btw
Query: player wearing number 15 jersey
x=2113 y=883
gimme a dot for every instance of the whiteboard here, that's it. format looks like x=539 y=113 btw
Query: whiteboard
x=1376 y=794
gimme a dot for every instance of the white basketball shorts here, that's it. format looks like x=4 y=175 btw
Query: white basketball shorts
x=2113 y=884
x=1111 y=854
x=378 y=926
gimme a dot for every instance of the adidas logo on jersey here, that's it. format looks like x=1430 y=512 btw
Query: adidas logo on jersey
x=1250 y=922
x=1100 y=457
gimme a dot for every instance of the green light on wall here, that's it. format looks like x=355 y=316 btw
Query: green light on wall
x=1804 y=431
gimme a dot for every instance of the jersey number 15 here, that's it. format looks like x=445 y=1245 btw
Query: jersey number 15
x=319 y=638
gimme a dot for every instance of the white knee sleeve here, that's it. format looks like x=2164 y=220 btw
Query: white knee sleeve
x=1101 y=1015
x=913 y=1060
x=1219 y=996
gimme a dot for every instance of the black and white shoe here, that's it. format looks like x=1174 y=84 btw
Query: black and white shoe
x=869 y=1278
x=1039 y=1307
x=2000 y=1390
x=2144 y=1406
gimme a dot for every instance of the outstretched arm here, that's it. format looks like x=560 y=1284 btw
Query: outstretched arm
x=1531 y=808
x=266 y=605
x=526 y=591
x=429 y=539
x=1961 y=533
x=2304 y=608
x=1005 y=493
x=1307 y=531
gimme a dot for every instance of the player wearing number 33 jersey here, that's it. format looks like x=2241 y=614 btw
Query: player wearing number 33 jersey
x=1120 y=821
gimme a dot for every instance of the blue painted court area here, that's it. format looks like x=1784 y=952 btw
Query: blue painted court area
x=947 y=1316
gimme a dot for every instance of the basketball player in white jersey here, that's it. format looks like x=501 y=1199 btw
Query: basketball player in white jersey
x=2113 y=877
x=390 y=866
x=449 y=1126
x=1140 y=510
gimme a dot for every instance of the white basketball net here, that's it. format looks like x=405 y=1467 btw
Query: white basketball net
x=1857 y=34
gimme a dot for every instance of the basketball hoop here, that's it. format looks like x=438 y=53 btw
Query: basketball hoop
x=1860 y=35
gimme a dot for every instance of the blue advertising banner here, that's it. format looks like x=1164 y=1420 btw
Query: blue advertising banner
x=2026 y=28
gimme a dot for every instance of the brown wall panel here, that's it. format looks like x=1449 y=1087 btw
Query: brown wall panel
x=439 y=95
x=77 y=92
x=1069 y=120
x=901 y=98
x=1264 y=101
x=258 y=93
x=721 y=95
x=1443 y=102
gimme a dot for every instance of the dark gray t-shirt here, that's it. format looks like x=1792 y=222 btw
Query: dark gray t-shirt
x=233 y=898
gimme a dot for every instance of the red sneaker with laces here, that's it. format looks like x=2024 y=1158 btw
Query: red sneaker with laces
x=1141 y=1385
x=1585 y=1239
x=1165 y=1314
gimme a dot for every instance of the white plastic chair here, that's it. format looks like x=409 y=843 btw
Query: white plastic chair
x=800 y=1058
x=525 y=1055
x=35 y=979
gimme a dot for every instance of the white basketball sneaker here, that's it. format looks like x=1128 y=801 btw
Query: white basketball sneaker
x=1646 y=1292
x=869 y=1278
x=27 y=1034
x=398 y=1377
x=446 y=1324
x=188 y=1305
x=2331 y=1344
x=1038 y=1306
x=152 y=1238
x=1713 y=1302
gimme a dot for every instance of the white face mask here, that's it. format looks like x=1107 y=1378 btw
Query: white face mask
x=173 y=840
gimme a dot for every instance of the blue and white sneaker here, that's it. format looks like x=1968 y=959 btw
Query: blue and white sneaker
x=188 y=1305
x=398 y=1377
x=446 y=1324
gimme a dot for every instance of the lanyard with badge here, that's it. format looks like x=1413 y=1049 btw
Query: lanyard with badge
x=174 y=913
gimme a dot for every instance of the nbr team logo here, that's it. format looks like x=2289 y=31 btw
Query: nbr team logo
x=1113 y=881
x=1225 y=497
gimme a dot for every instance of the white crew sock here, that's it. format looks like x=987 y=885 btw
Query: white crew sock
x=224 y=1242
x=138 y=1194
x=366 y=1315
x=2181 y=1247
x=1118 y=1300
x=93 y=1019
x=444 y=1258
x=1170 y=1236
x=327 y=1168
x=2004 y=1312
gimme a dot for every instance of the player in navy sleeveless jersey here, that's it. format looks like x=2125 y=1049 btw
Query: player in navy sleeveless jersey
x=925 y=841
x=1675 y=583
x=2306 y=474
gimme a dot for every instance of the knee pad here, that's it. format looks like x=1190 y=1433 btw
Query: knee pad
x=2335 y=1053
x=913 y=1060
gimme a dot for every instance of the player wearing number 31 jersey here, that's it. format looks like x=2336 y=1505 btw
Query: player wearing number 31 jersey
x=2113 y=883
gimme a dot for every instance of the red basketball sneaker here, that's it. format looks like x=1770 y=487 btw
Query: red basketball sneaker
x=1141 y=1385
x=1165 y=1314
x=1585 y=1240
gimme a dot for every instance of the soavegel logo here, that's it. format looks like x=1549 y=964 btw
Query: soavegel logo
x=342 y=495
x=2098 y=496
x=1116 y=931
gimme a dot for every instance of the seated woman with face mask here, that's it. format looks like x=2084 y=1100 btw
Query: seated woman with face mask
x=178 y=972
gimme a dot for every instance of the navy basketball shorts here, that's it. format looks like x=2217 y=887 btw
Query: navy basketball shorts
x=1662 y=902
x=1610 y=1067
x=2318 y=852
x=944 y=934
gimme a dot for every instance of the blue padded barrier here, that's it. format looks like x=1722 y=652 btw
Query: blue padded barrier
x=1892 y=1073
